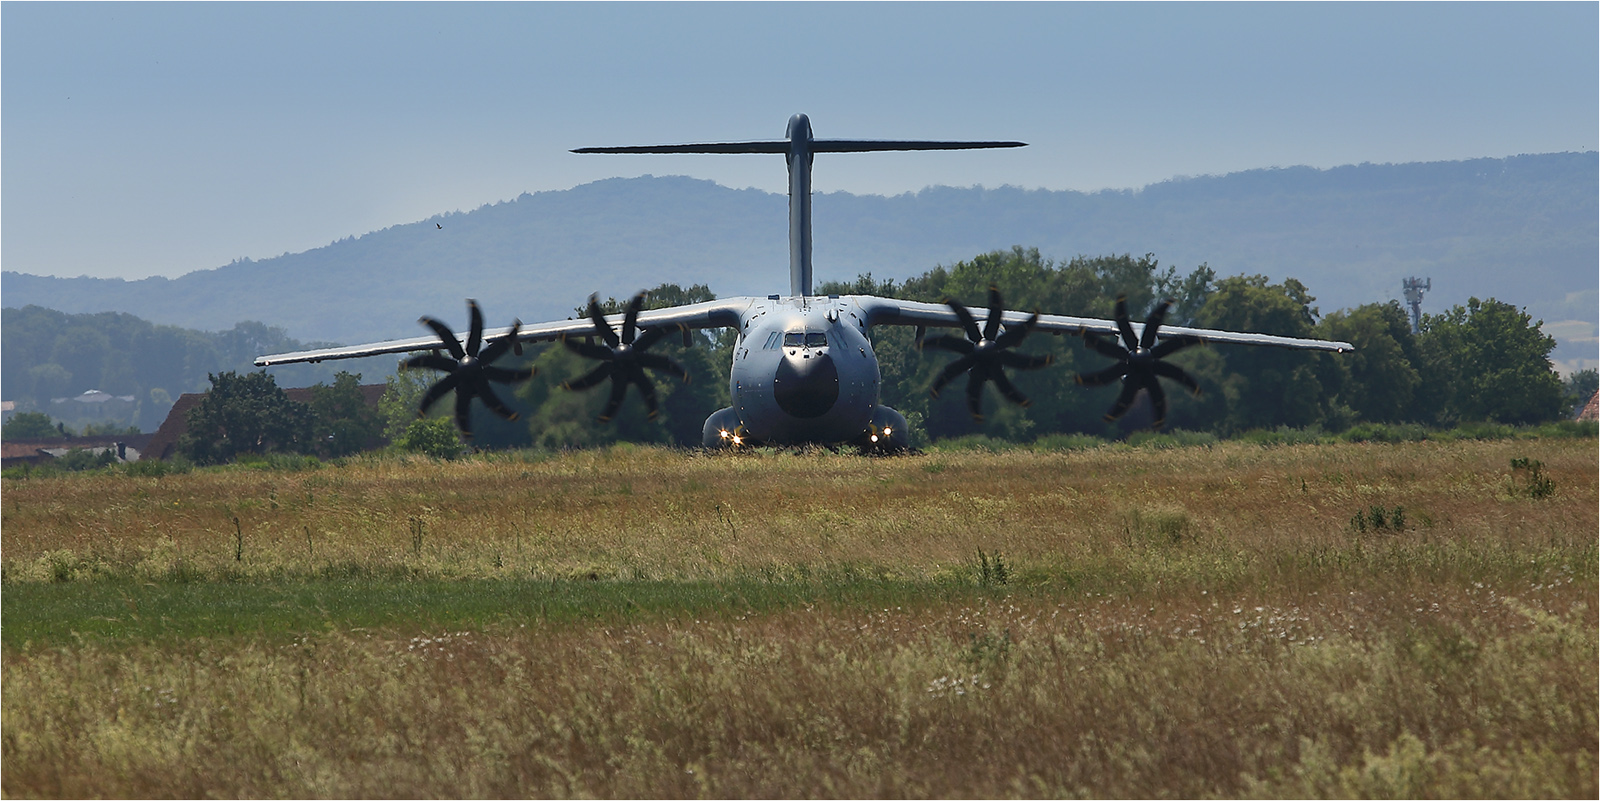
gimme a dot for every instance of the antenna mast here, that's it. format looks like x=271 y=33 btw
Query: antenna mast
x=1414 y=287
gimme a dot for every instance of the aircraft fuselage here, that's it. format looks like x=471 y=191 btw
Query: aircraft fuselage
x=803 y=371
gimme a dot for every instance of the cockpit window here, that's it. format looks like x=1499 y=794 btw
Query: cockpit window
x=798 y=339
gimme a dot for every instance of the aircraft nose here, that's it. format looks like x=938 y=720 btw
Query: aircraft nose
x=806 y=388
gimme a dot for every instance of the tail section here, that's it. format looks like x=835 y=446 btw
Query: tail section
x=799 y=149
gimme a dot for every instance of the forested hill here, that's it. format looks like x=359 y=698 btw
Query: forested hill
x=47 y=355
x=1522 y=229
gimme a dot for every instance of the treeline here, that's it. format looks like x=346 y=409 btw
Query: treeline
x=1483 y=362
x=250 y=414
x=1487 y=361
x=47 y=354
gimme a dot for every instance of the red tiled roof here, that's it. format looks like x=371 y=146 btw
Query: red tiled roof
x=165 y=441
x=33 y=449
x=20 y=450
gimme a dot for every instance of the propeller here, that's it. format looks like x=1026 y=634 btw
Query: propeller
x=469 y=369
x=1139 y=361
x=985 y=354
x=623 y=358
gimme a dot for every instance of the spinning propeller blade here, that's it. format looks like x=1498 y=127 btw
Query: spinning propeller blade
x=468 y=369
x=985 y=353
x=622 y=358
x=1139 y=362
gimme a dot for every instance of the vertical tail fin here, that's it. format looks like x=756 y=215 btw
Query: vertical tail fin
x=800 y=149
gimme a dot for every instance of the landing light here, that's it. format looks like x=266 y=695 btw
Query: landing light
x=887 y=431
x=874 y=437
x=738 y=440
x=724 y=433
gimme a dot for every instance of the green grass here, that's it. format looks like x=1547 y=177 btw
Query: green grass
x=1159 y=556
x=131 y=612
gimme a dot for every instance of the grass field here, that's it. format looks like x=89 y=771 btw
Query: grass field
x=1411 y=619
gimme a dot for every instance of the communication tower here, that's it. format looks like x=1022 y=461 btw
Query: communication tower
x=1414 y=287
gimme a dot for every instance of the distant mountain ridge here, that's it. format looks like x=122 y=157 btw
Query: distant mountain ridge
x=1522 y=229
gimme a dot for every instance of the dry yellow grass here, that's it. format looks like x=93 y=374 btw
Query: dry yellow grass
x=669 y=515
x=1196 y=622
x=1302 y=697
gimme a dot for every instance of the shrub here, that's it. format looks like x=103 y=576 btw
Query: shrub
x=1283 y=435
x=431 y=436
x=78 y=459
x=973 y=442
x=1385 y=432
x=1068 y=442
x=1568 y=429
x=1479 y=431
x=991 y=571
x=155 y=468
x=1167 y=525
x=1176 y=438
x=1535 y=483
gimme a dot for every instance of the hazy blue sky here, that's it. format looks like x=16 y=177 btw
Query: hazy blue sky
x=156 y=139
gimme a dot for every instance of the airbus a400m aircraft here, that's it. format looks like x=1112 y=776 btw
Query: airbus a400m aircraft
x=803 y=366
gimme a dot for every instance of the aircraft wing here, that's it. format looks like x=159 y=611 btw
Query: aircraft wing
x=710 y=314
x=887 y=311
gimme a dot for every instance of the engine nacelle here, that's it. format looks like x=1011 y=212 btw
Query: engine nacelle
x=887 y=433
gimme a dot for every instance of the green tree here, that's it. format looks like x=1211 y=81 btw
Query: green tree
x=47 y=381
x=402 y=395
x=1580 y=387
x=1488 y=361
x=28 y=425
x=79 y=459
x=1380 y=378
x=1026 y=280
x=405 y=428
x=1270 y=387
x=566 y=419
x=109 y=429
x=343 y=423
x=431 y=436
x=244 y=414
x=1189 y=293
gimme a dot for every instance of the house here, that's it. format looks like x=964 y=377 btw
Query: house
x=1591 y=410
x=127 y=447
x=94 y=404
x=164 y=443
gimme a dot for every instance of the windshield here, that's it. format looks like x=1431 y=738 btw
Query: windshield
x=797 y=339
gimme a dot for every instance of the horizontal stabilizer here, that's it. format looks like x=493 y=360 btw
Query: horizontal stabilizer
x=877 y=145
x=799 y=149
x=781 y=146
x=816 y=145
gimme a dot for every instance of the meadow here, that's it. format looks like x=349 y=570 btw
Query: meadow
x=1409 y=619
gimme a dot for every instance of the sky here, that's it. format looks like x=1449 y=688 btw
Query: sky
x=141 y=139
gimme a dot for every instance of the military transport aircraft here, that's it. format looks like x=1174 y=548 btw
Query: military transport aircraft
x=803 y=366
